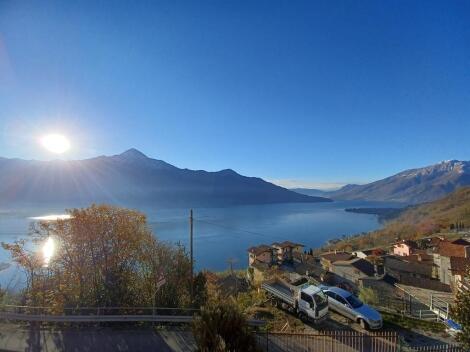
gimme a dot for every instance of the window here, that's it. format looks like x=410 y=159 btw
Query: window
x=354 y=301
x=321 y=300
x=330 y=294
x=306 y=297
x=341 y=300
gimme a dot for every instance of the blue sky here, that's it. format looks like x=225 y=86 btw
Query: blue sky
x=315 y=92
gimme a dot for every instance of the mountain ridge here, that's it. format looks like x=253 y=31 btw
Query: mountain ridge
x=411 y=186
x=133 y=178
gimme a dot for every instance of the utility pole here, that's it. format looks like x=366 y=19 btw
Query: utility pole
x=231 y=261
x=191 y=221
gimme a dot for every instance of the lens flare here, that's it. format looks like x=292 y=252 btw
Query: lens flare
x=55 y=143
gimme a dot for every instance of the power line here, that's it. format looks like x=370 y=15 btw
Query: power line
x=236 y=229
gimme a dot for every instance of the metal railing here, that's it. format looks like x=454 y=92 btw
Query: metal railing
x=437 y=348
x=329 y=341
x=103 y=314
x=87 y=311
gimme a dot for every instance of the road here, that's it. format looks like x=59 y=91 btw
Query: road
x=15 y=337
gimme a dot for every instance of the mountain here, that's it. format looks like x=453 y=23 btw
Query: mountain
x=440 y=216
x=310 y=191
x=411 y=186
x=132 y=178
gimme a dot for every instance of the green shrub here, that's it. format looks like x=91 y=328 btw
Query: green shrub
x=369 y=296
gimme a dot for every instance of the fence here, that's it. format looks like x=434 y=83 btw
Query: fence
x=329 y=341
x=438 y=348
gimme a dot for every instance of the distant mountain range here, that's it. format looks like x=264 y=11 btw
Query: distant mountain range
x=132 y=178
x=311 y=192
x=411 y=186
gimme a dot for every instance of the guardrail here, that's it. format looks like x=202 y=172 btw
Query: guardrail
x=104 y=314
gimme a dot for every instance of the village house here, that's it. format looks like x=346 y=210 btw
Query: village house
x=287 y=251
x=404 y=248
x=327 y=259
x=262 y=254
x=262 y=258
x=458 y=268
x=414 y=270
x=443 y=254
x=354 y=270
x=369 y=252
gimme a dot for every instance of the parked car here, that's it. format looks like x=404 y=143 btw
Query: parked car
x=452 y=327
x=348 y=305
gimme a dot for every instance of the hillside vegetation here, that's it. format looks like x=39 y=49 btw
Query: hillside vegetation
x=444 y=215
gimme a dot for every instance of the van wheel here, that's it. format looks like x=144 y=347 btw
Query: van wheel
x=363 y=324
x=302 y=316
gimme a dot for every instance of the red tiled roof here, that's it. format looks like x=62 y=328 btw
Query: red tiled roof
x=334 y=257
x=451 y=249
x=287 y=244
x=260 y=249
x=360 y=264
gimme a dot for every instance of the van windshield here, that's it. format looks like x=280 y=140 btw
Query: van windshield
x=321 y=300
x=354 y=301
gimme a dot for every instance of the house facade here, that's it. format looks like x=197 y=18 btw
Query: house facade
x=458 y=267
x=263 y=254
x=287 y=251
x=353 y=270
x=449 y=257
x=404 y=248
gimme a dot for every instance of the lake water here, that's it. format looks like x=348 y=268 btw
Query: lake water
x=223 y=233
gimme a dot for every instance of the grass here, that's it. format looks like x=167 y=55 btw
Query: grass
x=397 y=320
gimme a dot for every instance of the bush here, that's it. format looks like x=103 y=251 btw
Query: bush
x=369 y=296
x=221 y=328
x=461 y=311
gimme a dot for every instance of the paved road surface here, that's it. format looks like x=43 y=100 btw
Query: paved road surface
x=14 y=337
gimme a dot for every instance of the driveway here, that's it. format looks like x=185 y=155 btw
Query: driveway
x=14 y=337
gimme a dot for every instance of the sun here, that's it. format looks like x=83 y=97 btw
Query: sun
x=55 y=143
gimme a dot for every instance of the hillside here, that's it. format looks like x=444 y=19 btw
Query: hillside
x=131 y=178
x=411 y=186
x=442 y=215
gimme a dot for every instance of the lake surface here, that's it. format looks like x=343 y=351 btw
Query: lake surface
x=223 y=233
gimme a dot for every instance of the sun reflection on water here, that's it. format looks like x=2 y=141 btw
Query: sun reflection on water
x=51 y=217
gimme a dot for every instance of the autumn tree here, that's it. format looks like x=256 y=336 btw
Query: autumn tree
x=461 y=311
x=102 y=256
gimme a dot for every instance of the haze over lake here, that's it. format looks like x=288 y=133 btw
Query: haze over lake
x=223 y=233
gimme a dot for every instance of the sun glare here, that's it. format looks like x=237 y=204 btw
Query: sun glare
x=55 y=143
x=48 y=250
